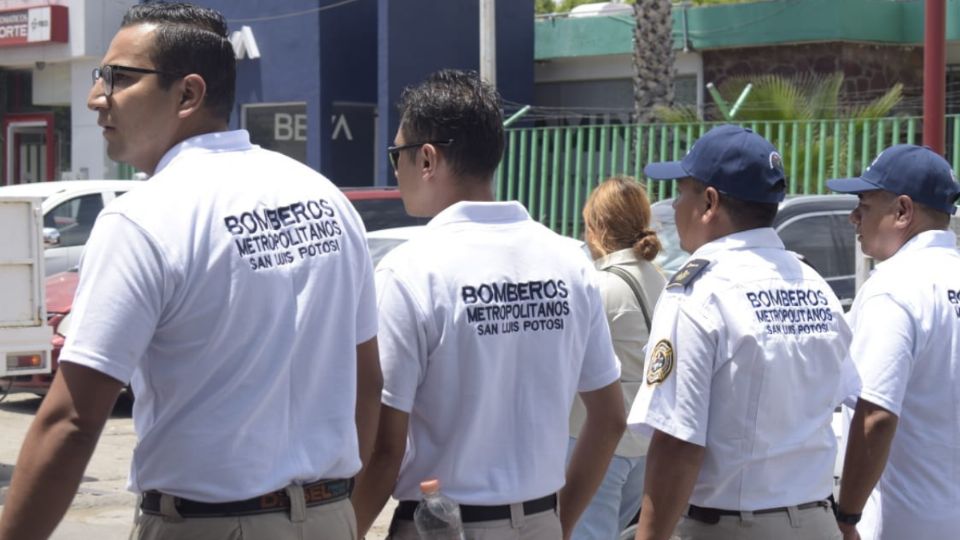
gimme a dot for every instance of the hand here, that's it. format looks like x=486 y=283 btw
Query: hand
x=849 y=531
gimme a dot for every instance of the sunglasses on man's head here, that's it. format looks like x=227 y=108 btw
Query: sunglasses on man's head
x=393 y=152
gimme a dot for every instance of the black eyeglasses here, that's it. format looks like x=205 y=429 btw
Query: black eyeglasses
x=106 y=73
x=394 y=151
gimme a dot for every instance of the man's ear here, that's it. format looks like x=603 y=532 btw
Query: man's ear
x=711 y=202
x=904 y=210
x=193 y=90
x=428 y=158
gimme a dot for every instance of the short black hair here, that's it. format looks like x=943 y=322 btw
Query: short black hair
x=191 y=39
x=456 y=104
x=746 y=215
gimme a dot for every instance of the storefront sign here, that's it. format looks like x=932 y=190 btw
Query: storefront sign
x=352 y=148
x=281 y=127
x=33 y=25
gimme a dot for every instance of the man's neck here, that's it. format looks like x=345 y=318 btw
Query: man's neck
x=472 y=190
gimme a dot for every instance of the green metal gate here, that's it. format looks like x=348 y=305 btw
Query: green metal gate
x=551 y=170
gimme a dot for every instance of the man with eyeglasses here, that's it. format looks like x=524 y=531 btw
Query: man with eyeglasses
x=489 y=325
x=234 y=292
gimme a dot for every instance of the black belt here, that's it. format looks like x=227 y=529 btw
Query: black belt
x=315 y=494
x=470 y=513
x=711 y=516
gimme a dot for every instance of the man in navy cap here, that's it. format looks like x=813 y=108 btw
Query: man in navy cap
x=906 y=345
x=745 y=362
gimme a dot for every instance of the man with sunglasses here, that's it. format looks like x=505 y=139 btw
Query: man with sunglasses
x=490 y=324
x=234 y=292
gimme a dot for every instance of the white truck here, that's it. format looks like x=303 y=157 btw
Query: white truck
x=24 y=334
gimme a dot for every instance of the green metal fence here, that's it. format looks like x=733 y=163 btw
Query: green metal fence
x=551 y=170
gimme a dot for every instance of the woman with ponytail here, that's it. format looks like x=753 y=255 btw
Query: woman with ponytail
x=618 y=232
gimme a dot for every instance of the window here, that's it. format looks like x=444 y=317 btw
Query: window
x=74 y=219
x=825 y=240
x=685 y=90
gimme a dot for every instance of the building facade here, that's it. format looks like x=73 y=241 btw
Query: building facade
x=48 y=49
x=317 y=80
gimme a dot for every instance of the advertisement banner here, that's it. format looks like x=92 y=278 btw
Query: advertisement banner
x=26 y=26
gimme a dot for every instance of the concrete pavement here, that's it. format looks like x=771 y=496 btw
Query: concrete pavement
x=102 y=509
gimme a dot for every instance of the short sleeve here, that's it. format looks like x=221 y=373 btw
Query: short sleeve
x=367 y=301
x=600 y=365
x=402 y=341
x=119 y=299
x=882 y=350
x=675 y=395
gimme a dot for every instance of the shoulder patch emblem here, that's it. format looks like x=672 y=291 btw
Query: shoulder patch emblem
x=688 y=273
x=661 y=362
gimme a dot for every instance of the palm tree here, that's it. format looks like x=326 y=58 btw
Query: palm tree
x=653 y=58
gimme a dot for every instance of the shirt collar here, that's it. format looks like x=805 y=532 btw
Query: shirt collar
x=926 y=239
x=482 y=212
x=623 y=256
x=764 y=237
x=218 y=141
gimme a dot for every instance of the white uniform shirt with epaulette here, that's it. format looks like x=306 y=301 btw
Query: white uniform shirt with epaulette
x=906 y=324
x=490 y=323
x=747 y=358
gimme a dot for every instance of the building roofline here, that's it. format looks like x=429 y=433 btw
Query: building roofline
x=757 y=24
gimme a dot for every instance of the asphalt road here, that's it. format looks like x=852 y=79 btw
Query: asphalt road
x=103 y=508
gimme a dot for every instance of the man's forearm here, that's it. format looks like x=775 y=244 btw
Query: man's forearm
x=672 y=469
x=378 y=478
x=369 y=386
x=46 y=477
x=56 y=451
x=374 y=487
x=871 y=433
x=588 y=464
x=604 y=425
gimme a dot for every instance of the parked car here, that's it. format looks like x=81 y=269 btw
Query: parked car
x=815 y=226
x=69 y=209
x=381 y=208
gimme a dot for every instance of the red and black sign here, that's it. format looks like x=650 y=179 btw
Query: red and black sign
x=25 y=26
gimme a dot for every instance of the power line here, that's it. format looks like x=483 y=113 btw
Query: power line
x=294 y=14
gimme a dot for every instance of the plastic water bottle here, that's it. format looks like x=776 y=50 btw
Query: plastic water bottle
x=437 y=517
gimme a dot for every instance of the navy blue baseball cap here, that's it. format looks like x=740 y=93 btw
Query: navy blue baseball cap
x=734 y=160
x=907 y=169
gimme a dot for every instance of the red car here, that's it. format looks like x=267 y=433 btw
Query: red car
x=380 y=208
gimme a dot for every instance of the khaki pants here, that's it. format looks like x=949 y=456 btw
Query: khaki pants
x=334 y=521
x=808 y=524
x=541 y=526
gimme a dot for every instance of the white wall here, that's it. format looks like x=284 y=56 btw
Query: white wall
x=618 y=66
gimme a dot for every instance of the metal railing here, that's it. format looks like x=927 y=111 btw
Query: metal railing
x=551 y=170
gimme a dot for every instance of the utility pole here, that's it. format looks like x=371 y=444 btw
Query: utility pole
x=488 y=42
x=934 y=73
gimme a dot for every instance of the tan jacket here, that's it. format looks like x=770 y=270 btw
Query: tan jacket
x=629 y=332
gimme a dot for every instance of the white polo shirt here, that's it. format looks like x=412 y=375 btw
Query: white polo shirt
x=489 y=325
x=232 y=289
x=747 y=359
x=906 y=345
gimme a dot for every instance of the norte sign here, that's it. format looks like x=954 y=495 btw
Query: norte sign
x=33 y=25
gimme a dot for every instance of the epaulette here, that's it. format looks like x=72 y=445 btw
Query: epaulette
x=802 y=259
x=690 y=271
